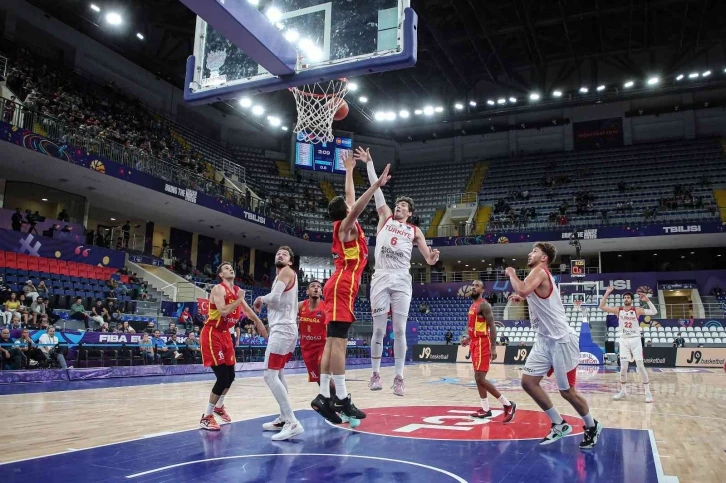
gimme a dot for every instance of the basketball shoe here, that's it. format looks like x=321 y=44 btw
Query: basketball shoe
x=481 y=414
x=275 y=425
x=509 y=412
x=347 y=407
x=398 y=386
x=289 y=430
x=323 y=406
x=591 y=436
x=557 y=432
x=621 y=395
x=222 y=413
x=375 y=383
x=209 y=423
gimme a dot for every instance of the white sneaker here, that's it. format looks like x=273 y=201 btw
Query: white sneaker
x=620 y=395
x=275 y=425
x=648 y=397
x=290 y=430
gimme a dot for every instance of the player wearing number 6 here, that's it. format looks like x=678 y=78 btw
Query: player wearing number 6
x=630 y=345
x=482 y=336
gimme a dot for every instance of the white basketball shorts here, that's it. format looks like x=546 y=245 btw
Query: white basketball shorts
x=631 y=349
x=280 y=346
x=560 y=357
x=391 y=290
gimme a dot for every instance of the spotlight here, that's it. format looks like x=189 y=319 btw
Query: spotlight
x=473 y=103
x=139 y=36
x=584 y=90
x=653 y=81
x=706 y=74
x=600 y=88
x=513 y=100
x=629 y=84
x=557 y=93
x=418 y=112
x=245 y=102
x=352 y=86
x=95 y=8
x=254 y=2
x=501 y=101
x=490 y=102
x=113 y=18
x=379 y=116
x=258 y=110
x=292 y=35
x=273 y=14
x=274 y=121
x=534 y=96
x=439 y=109
x=459 y=106
x=403 y=113
x=428 y=110
x=693 y=75
x=390 y=116
x=363 y=99
x=284 y=128
x=679 y=77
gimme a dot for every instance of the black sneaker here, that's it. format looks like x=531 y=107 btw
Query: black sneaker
x=323 y=406
x=347 y=407
x=591 y=436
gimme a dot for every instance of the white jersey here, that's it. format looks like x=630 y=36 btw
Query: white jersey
x=628 y=322
x=547 y=315
x=394 y=244
x=285 y=312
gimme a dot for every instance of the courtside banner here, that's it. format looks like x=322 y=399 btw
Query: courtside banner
x=463 y=354
x=434 y=353
x=659 y=356
x=517 y=354
x=701 y=357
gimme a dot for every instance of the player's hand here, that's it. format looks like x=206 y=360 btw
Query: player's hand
x=510 y=272
x=363 y=155
x=383 y=179
x=257 y=305
x=262 y=331
x=241 y=295
x=464 y=341
x=643 y=296
x=434 y=257
x=494 y=353
x=349 y=161
x=609 y=290
x=515 y=299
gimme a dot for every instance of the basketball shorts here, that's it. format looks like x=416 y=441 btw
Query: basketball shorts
x=280 y=346
x=312 y=355
x=217 y=347
x=631 y=349
x=481 y=354
x=391 y=290
x=560 y=357
x=339 y=293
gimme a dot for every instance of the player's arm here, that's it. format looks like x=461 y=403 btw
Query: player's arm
x=247 y=310
x=383 y=210
x=651 y=310
x=349 y=222
x=237 y=334
x=349 y=163
x=523 y=288
x=284 y=279
x=603 y=303
x=430 y=254
x=485 y=310
x=217 y=298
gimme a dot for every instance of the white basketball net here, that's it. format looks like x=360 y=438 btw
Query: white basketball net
x=579 y=307
x=316 y=107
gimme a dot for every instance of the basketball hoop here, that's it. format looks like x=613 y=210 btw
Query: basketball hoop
x=317 y=105
x=580 y=308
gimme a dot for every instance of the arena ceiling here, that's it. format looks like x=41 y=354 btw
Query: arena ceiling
x=469 y=50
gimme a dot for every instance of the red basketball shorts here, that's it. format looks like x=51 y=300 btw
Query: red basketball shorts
x=340 y=292
x=312 y=355
x=481 y=353
x=217 y=347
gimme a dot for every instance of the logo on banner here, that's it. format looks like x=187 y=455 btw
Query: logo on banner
x=521 y=355
x=253 y=217
x=186 y=194
x=25 y=246
x=435 y=353
x=682 y=229
x=588 y=358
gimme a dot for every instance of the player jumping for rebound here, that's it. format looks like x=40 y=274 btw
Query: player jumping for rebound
x=482 y=336
x=226 y=304
x=391 y=288
x=556 y=348
x=631 y=348
x=282 y=315
x=350 y=255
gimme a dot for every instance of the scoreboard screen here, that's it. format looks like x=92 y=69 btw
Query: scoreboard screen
x=323 y=157
x=577 y=268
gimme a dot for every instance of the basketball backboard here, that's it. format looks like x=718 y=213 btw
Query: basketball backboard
x=255 y=46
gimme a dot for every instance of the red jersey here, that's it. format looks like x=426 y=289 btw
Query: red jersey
x=216 y=320
x=350 y=260
x=313 y=326
x=477 y=326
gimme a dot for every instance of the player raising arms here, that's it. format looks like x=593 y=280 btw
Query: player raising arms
x=350 y=255
x=630 y=345
x=226 y=305
x=391 y=288
x=282 y=316
x=556 y=347
x=482 y=336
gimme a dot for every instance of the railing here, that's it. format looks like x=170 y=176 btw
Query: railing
x=483 y=275
x=3 y=66
x=462 y=198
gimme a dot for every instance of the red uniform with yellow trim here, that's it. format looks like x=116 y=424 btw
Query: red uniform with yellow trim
x=341 y=289
x=479 y=344
x=215 y=339
x=313 y=334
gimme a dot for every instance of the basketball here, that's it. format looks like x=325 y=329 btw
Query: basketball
x=342 y=112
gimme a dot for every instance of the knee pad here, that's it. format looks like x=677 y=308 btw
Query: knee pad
x=230 y=376
x=339 y=330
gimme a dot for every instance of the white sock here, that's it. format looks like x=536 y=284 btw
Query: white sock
x=376 y=363
x=399 y=341
x=623 y=388
x=646 y=386
x=554 y=415
x=399 y=366
x=643 y=373
x=340 y=390
x=504 y=401
x=485 y=404
x=589 y=421
x=325 y=385
x=209 y=410
x=278 y=390
x=379 y=332
x=220 y=402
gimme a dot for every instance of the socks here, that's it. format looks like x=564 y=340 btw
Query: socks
x=325 y=385
x=376 y=363
x=554 y=415
x=646 y=386
x=504 y=400
x=623 y=388
x=220 y=402
x=485 y=404
x=340 y=389
x=278 y=390
x=589 y=421
x=209 y=410
x=399 y=365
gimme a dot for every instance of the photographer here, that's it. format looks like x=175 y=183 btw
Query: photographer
x=50 y=349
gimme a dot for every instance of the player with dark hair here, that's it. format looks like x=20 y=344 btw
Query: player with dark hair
x=226 y=305
x=556 y=348
x=350 y=255
x=391 y=286
x=482 y=337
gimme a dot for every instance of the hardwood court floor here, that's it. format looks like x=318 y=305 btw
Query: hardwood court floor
x=688 y=417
